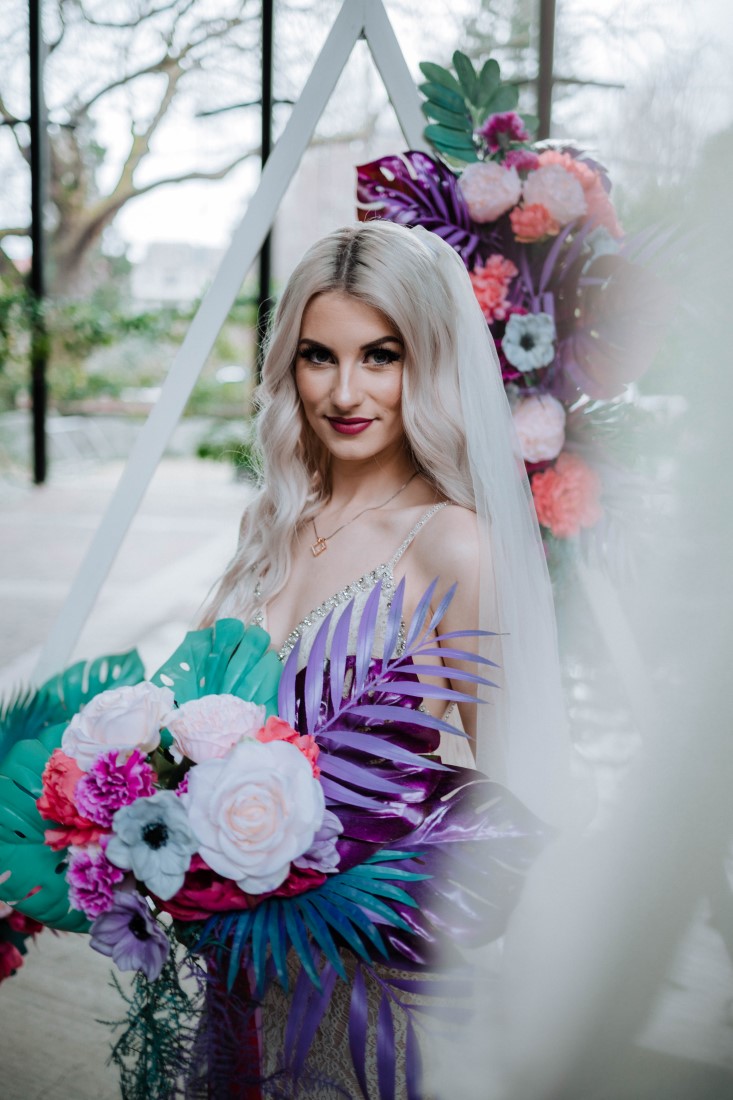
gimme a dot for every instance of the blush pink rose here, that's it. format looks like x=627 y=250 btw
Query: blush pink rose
x=275 y=729
x=490 y=282
x=254 y=811
x=540 y=425
x=532 y=223
x=558 y=190
x=489 y=190
x=567 y=496
x=60 y=777
x=207 y=728
x=123 y=718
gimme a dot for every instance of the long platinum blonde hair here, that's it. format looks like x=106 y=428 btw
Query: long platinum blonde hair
x=389 y=268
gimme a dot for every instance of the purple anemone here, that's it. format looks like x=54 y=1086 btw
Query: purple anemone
x=129 y=934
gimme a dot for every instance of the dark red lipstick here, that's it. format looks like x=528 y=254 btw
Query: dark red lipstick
x=348 y=425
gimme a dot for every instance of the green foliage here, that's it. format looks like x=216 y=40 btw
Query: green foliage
x=159 y=1030
x=97 y=347
x=459 y=106
x=232 y=442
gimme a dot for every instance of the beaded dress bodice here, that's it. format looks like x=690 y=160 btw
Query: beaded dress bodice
x=358 y=591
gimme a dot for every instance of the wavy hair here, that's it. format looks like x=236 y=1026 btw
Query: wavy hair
x=389 y=268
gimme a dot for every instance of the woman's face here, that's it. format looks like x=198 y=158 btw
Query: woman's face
x=348 y=372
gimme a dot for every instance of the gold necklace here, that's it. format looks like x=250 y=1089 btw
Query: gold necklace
x=321 y=543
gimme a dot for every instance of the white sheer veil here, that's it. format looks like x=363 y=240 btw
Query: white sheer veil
x=522 y=736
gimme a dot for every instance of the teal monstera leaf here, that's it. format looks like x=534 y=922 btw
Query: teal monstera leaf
x=31 y=727
x=226 y=658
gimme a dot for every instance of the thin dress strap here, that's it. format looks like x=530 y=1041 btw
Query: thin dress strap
x=415 y=530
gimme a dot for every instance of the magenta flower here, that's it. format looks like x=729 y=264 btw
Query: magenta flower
x=92 y=880
x=130 y=935
x=113 y=782
x=500 y=129
x=524 y=160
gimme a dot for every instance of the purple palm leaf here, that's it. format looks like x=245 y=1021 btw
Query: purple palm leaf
x=414 y=189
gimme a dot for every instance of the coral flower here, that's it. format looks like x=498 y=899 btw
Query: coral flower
x=567 y=496
x=57 y=803
x=490 y=282
x=275 y=729
x=532 y=223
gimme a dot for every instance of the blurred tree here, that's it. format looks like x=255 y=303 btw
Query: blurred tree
x=139 y=62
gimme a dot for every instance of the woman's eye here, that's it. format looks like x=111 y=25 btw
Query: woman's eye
x=382 y=357
x=315 y=355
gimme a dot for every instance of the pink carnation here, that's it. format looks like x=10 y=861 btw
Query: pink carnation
x=490 y=282
x=489 y=190
x=532 y=223
x=112 y=782
x=58 y=804
x=92 y=879
x=524 y=160
x=506 y=125
x=275 y=729
x=567 y=496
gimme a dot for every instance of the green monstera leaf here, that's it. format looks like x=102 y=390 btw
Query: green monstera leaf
x=226 y=658
x=63 y=696
x=31 y=727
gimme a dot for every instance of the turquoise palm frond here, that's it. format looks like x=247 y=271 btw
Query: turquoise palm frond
x=339 y=912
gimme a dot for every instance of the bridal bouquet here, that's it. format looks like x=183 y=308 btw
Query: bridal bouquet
x=574 y=315
x=289 y=827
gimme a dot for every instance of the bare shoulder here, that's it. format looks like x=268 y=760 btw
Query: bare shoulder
x=449 y=545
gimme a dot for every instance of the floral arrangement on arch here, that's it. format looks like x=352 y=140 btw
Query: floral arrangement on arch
x=574 y=315
x=288 y=827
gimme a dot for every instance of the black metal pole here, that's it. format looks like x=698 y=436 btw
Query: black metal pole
x=545 y=77
x=39 y=395
x=265 y=273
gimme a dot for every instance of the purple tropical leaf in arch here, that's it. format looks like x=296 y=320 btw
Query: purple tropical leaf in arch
x=414 y=189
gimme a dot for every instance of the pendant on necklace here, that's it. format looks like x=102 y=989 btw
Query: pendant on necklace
x=319 y=546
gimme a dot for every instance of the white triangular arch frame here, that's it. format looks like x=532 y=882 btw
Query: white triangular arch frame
x=357 y=19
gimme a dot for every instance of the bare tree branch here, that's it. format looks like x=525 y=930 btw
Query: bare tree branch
x=15 y=231
x=214 y=174
x=131 y=24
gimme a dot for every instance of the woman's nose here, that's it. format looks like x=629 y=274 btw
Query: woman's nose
x=346 y=391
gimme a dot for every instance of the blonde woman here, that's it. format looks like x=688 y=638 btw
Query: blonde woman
x=388 y=452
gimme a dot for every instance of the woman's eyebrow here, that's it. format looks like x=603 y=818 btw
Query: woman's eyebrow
x=381 y=340
x=311 y=340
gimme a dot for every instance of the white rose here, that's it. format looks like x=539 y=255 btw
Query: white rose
x=557 y=190
x=489 y=190
x=254 y=811
x=540 y=424
x=207 y=728
x=123 y=718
